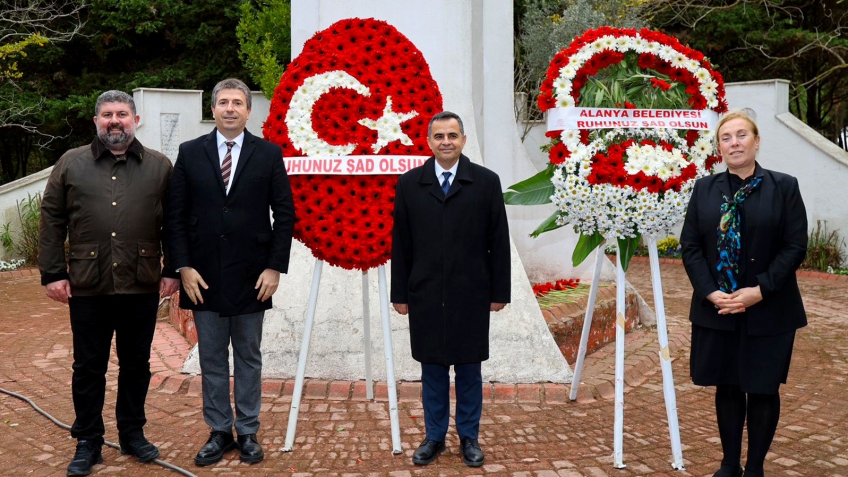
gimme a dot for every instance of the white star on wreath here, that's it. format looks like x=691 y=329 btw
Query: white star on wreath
x=388 y=127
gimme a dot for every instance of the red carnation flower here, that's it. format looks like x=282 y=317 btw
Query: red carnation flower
x=661 y=84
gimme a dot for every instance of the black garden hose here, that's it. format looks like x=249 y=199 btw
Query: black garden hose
x=68 y=428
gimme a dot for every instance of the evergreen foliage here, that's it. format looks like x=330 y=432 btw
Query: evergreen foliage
x=548 y=26
x=124 y=44
x=805 y=42
x=264 y=33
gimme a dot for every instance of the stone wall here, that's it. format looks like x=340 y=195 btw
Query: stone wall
x=566 y=321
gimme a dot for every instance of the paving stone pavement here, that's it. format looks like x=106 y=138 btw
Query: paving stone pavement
x=526 y=430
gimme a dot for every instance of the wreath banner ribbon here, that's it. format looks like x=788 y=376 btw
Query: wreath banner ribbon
x=605 y=118
x=352 y=165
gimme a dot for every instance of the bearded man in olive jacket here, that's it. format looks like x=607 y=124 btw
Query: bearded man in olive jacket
x=450 y=269
x=108 y=198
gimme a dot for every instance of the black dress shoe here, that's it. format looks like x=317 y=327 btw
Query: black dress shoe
x=87 y=455
x=729 y=471
x=427 y=452
x=251 y=451
x=140 y=447
x=213 y=451
x=472 y=455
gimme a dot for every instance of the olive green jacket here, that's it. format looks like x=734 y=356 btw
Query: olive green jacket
x=110 y=209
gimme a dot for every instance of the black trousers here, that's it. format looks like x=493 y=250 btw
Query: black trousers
x=94 y=319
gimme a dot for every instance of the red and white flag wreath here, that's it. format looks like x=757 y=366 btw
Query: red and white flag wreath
x=351 y=113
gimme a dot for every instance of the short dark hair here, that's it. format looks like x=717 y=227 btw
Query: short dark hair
x=114 y=96
x=444 y=116
x=231 y=83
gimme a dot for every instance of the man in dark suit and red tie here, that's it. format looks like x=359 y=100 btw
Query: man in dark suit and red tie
x=450 y=269
x=225 y=188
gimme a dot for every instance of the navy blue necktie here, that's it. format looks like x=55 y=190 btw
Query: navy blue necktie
x=446 y=183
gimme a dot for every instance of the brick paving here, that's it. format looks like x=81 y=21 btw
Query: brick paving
x=530 y=430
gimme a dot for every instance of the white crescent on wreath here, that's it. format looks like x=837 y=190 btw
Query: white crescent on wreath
x=299 y=117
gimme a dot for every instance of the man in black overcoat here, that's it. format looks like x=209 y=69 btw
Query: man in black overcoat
x=450 y=269
x=230 y=257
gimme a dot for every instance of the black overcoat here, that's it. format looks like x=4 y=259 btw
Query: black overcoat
x=775 y=239
x=450 y=260
x=229 y=238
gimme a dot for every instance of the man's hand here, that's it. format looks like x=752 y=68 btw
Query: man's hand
x=192 y=281
x=726 y=303
x=59 y=291
x=167 y=286
x=267 y=284
x=497 y=306
x=401 y=308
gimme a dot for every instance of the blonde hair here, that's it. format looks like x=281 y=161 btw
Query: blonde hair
x=745 y=114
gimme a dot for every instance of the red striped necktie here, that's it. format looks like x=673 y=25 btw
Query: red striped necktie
x=227 y=166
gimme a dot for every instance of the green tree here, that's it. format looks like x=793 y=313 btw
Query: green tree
x=10 y=52
x=548 y=26
x=264 y=34
x=123 y=44
x=803 y=41
x=26 y=25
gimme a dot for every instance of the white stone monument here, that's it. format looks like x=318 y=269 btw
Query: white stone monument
x=470 y=57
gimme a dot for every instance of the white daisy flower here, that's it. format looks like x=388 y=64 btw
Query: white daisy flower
x=703 y=146
x=565 y=101
x=667 y=53
x=710 y=88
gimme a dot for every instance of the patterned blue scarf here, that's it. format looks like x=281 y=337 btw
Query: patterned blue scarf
x=730 y=236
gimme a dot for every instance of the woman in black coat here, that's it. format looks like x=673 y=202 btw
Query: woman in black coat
x=744 y=236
